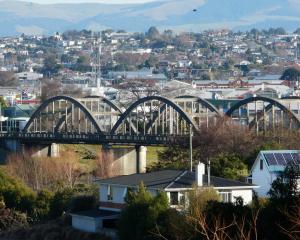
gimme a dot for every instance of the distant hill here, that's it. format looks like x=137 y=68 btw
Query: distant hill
x=30 y=18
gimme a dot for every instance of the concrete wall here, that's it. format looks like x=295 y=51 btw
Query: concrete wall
x=36 y=150
x=12 y=145
x=51 y=150
x=125 y=160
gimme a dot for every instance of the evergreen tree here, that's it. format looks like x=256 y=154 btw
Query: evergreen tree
x=141 y=215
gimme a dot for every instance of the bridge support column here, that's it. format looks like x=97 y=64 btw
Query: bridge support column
x=53 y=150
x=141 y=159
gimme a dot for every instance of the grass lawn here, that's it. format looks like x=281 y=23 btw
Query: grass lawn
x=152 y=154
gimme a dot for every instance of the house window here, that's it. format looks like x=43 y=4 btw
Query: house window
x=261 y=164
x=182 y=199
x=174 y=198
x=226 y=197
x=109 y=193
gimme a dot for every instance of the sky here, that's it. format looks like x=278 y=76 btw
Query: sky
x=85 y=1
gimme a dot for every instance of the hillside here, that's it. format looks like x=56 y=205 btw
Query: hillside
x=30 y=18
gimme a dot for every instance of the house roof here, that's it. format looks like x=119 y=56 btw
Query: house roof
x=159 y=179
x=96 y=213
x=187 y=179
x=277 y=160
x=281 y=158
x=171 y=179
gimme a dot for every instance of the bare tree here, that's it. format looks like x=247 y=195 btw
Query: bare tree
x=8 y=79
x=104 y=164
x=46 y=172
x=225 y=136
x=293 y=217
x=50 y=88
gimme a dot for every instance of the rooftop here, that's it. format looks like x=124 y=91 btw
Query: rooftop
x=171 y=179
x=281 y=158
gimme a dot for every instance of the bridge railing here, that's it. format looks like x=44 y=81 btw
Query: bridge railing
x=94 y=138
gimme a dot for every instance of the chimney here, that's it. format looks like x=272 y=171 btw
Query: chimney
x=200 y=171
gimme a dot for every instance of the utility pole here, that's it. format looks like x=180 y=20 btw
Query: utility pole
x=99 y=62
x=191 y=147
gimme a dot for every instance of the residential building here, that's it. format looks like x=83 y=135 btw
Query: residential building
x=175 y=183
x=269 y=165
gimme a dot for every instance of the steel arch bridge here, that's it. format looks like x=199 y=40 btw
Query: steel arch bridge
x=150 y=120
x=262 y=113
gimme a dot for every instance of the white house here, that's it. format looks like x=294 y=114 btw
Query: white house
x=269 y=165
x=176 y=183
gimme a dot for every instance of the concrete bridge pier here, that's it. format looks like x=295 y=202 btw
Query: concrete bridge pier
x=41 y=150
x=141 y=159
x=126 y=160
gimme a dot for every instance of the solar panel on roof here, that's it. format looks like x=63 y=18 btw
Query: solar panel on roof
x=296 y=157
x=288 y=158
x=271 y=160
x=280 y=159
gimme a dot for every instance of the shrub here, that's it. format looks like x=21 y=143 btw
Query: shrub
x=16 y=195
x=10 y=219
x=82 y=203
x=139 y=219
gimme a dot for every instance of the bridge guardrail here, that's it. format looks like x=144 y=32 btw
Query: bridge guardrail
x=94 y=138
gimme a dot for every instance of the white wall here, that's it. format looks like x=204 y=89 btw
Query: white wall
x=103 y=193
x=262 y=178
x=118 y=192
x=246 y=194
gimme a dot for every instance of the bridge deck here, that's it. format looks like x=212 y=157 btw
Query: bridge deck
x=70 y=138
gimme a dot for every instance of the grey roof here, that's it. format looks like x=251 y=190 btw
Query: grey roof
x=268 y=77
x=159 y=180
x=187 y=179
x=96 y=213
x=170 y=179
x=277 y=160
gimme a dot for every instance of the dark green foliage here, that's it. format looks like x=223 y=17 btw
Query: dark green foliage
x=172 y=225
x=11 y=219
x=266 y=145
x=16 y=195
x=60 y=202
x=229 y=166
x=174 y=157
x=42 y=205
x=140 y=216
x=82 y=64
x=291 y=74
x=82 y=203
x=72 y=199
x=51 y=66
x=285 y=187
x=2 y=102
x=284 y=199
x=153 y=33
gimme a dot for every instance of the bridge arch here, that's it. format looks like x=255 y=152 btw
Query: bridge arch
x=108 y=102
x=204 y=102
x=271 y=103
x=73 y=101
x=101 y=98
x=199 y=100
x=143 y=101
